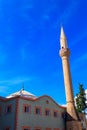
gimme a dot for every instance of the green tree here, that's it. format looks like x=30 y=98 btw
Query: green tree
x=81 y=99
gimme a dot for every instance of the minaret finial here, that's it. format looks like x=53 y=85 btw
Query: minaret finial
x=63 y=41
x=23 y=86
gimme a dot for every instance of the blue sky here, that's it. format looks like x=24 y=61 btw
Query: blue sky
x=29 y=45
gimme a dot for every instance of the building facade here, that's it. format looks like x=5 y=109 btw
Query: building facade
x=22 y=111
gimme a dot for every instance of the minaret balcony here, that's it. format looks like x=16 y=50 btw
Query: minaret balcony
x=64 y=52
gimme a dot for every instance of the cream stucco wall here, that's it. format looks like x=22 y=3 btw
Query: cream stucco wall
x=33 y=120
x=7 y=119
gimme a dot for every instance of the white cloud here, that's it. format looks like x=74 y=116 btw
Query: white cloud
x=46 y=17
x=2 y=58
x=79 y=61
x=80 y=37
x=14 y=81
x=3 y=55
x=82 y=58
x=4 y=89
x=64 y=105
x=24 y=9
x=23 y=50
x=23 y=54
x=6 y=86
x=68 y=12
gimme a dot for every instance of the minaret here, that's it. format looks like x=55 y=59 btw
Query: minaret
x=72 y=121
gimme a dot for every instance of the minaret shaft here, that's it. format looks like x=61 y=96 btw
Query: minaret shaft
x=64 y=53
x=67 y=79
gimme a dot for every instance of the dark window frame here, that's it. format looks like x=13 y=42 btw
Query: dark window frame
x=38 y=110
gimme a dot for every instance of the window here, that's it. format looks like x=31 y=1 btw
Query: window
x=27 y=108
x=7 y=128
x=38 y=110
x=48 y=128
x=25 y=128
x=63 y=115
x=37 y=128
x=0 y=110
x=70 y=128
x=56 y=129
x=47 y=102
x=47 y=112
x=8 y=109
x=55 y=113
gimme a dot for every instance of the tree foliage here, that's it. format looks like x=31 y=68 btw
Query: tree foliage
x=81 y=99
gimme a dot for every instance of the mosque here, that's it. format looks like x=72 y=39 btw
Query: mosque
x=25 y=111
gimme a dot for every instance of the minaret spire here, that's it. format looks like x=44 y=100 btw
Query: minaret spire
x=63 y=41
x=72 y=120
